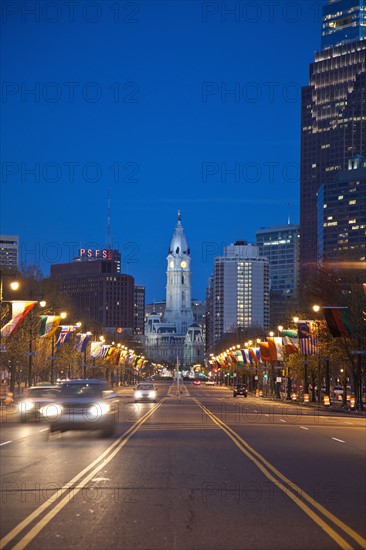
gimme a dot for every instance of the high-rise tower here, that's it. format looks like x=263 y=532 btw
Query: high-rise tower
x=333 y=117
x=178 y=308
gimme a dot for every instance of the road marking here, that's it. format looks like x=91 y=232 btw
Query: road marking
x=340 y=440
x=293 y=491
x=44 y=430
x=97 y=464
x=348 y=422
x=281 y=420
x=303 y=428
x=5 y=443
x=265 y=414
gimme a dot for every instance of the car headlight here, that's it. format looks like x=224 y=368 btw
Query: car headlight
x=26 y=406
x=97 y=410
x=152 y=394
x=138 y=394
x=51 y=411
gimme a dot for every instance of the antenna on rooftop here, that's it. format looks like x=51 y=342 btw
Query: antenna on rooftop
x=288 y=213
x=109 y=221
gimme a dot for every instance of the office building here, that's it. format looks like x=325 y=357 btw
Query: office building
x=9 y=251
x=333 y=113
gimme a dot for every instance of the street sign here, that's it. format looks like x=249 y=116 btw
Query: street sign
x=31 y=353
x=3 y=347
x=50 y=358
x=358 y=352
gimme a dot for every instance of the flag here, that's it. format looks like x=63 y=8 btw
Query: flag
x=96 y=350
x=275 y=348
x=65 y=334
x=264 y=351
x=290 y=344
x=307 y=339
x=82 y=340
x=49 y=325
x=289 y=333
x=247 y=359
x=19 y=312
x=255 y=353
x=338 y=321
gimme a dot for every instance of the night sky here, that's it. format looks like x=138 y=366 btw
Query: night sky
x=170 y=105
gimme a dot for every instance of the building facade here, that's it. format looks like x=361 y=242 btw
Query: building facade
x=281 y=246
x=100 y=296
x=342 y=218
x=333 y=113
x=238 y=296
x=139 y=309
x=9 y=251
x=173 y=337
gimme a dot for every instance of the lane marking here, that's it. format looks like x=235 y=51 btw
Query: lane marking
x=44 y=430
x=5 y=443
x=103 y=458
x=303 y=428
x=340 y=440
x=345 y=422
x=266 y=467
x=281 y=420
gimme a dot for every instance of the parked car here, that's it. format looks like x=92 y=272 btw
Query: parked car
x=240 y=389
x=34 y=399
x=145 y=392
x=82 y=405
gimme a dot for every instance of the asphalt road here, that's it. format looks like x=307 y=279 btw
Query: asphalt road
x=197 y=470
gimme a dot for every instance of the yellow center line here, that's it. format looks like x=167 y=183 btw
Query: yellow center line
x=265 y=466
x=103 y=459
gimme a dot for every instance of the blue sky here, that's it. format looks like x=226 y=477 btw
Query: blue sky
x=170 y=105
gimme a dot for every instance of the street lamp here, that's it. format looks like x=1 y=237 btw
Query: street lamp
x=316 y=309
x=14 y=285
x=31 y=353
x=63 y=315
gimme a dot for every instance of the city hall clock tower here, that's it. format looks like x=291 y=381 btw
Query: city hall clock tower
x=178 y=289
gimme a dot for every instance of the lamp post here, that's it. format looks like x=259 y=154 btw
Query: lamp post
x=316 y=309
x=14 y=285
x=31 y=353
x=63 y=315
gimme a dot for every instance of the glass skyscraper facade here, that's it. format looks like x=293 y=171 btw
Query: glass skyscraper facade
x=343 y=21
x=342 y=217
x=333 y=117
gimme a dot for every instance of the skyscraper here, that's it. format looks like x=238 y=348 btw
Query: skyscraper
x=238 y=296
x=333 y=116
x=280 y=244
x=342 y=218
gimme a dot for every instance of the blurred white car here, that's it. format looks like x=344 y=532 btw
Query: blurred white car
x=210 y=383
x=145 y=392
x=34 y=399
x=82 y=405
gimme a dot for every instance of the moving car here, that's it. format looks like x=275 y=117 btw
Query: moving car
x=145 y=392
x=196 y=382
x=82 y=405
x=34 y=399
x=210 y=383
x=240 y=389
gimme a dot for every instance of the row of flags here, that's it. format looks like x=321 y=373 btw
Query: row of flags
x=304 y=340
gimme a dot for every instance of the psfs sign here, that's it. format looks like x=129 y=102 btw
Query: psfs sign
x=99 y=253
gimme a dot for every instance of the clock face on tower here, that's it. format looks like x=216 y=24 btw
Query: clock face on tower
x=183 y=264
x=171 y=264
